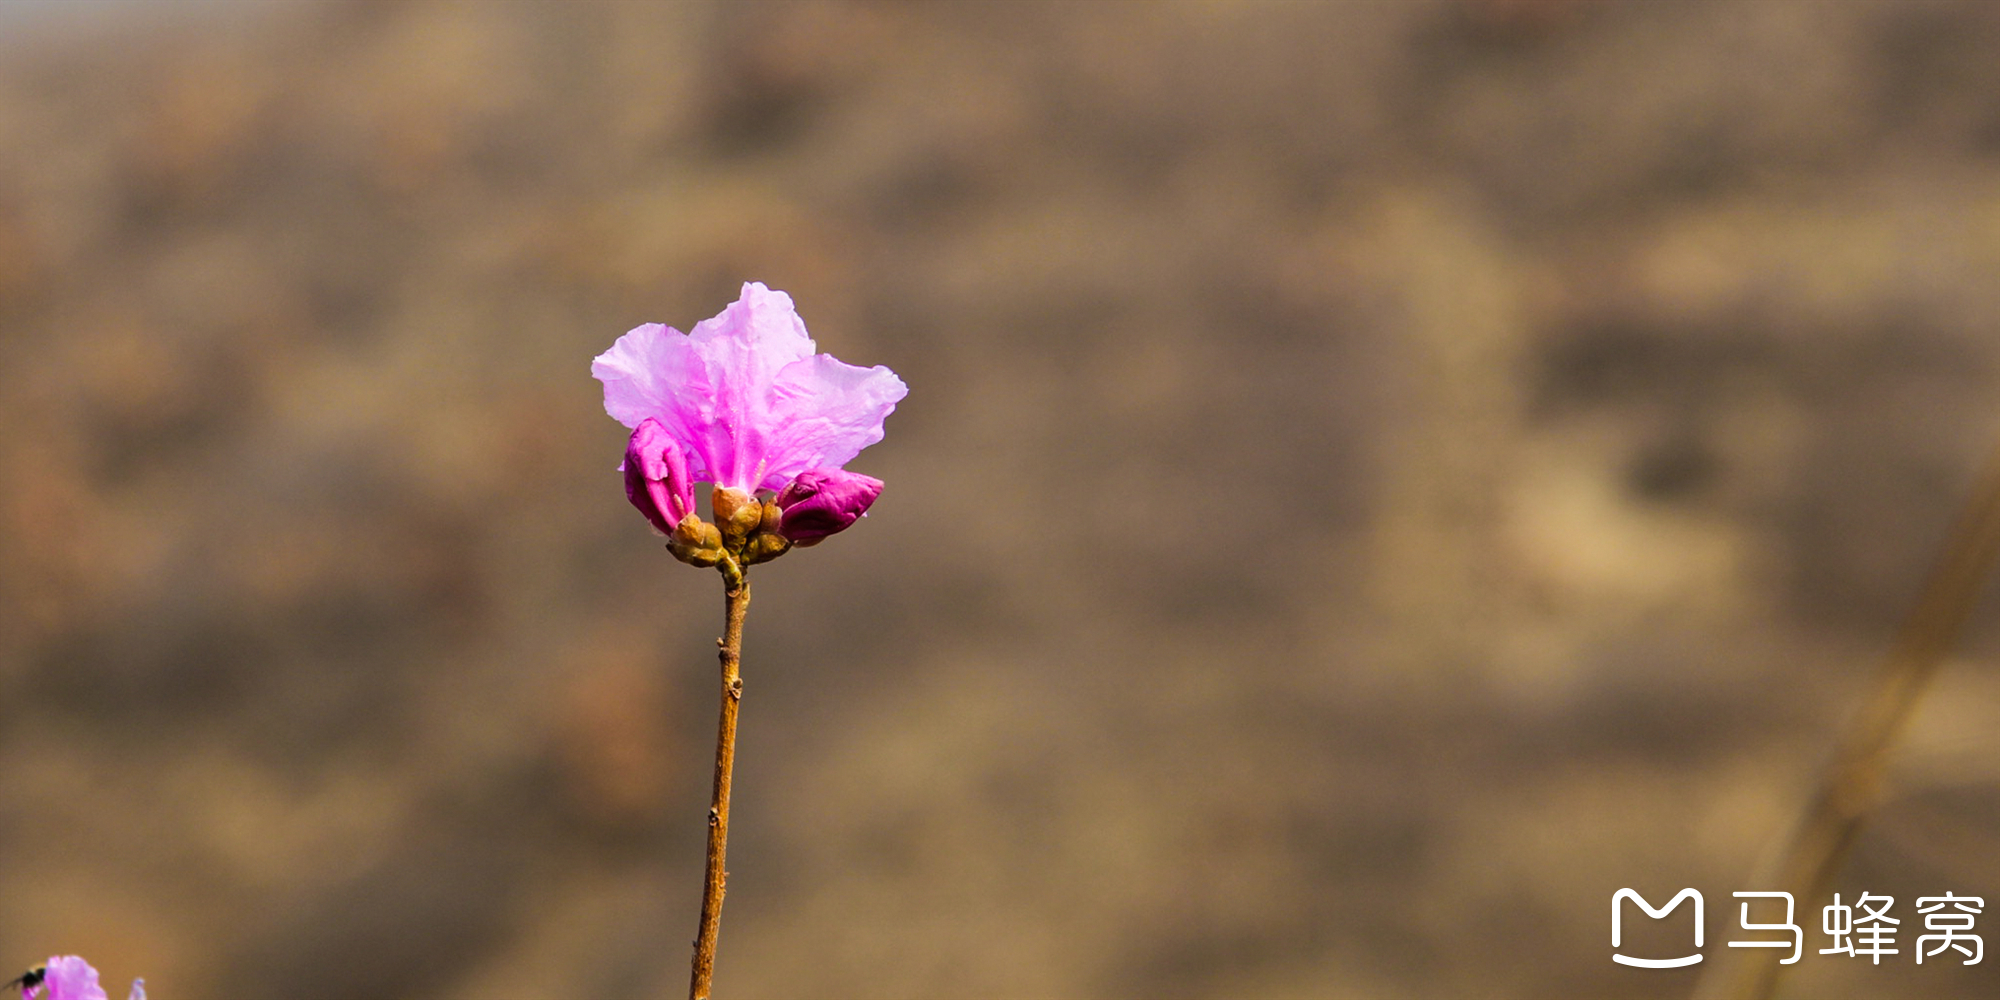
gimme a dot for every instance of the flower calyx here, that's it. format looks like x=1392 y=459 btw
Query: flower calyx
x=748 y=531
x=737 y=514
x=754 y=525
x=696 y=542
x=745 y=533
x=767 y=544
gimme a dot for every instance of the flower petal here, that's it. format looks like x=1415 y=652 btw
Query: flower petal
x=824 y=412
x=71 y=978
x=653 y=371
x=744 y=348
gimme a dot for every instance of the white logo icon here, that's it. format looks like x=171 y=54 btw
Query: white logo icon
x=1617 y=931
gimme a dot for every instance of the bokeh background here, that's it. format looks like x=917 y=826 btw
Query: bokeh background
x=1377 y=479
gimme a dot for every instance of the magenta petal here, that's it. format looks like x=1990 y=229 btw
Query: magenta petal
x=656 y=477
x=823 y=502
x=72 y=978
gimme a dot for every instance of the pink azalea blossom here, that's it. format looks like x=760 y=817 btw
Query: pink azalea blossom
x=69 y=977
x=821 y=502
x=743 y=397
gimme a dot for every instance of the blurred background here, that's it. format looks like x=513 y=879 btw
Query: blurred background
x=1377 y=479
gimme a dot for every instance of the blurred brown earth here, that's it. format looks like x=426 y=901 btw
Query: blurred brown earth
x=1377 y=479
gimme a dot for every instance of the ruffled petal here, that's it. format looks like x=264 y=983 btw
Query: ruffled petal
x=825 y=411
x=744 y=348
x=653 y=371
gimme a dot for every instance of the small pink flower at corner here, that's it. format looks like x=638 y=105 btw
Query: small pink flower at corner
x=821 y=502
x=68 y=977
x=744 y=397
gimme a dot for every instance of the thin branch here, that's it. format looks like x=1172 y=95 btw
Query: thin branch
x=737 y=601
x=1851 y=783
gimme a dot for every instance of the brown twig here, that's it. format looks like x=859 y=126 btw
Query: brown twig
x=1851 y=783
x=737 y=601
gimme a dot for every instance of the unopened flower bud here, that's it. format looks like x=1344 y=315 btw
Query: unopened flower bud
x=737 y=513
x=774 y=515
x=821 y=502
x=696 y=542
x=765 y=546
x=656 y=478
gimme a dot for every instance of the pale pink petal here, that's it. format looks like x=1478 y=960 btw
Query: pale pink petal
x=825 y=411
x=745 y=347
x=653 y=371
x=750 y=341
x=138 y=990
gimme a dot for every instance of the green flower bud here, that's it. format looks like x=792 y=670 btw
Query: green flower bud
x=765 y=546
x=696 y=542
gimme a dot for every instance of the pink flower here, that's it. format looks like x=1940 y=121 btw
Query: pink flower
x=71 y=978
x=743 y=397
x=821 y=502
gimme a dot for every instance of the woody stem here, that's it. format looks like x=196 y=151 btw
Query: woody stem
x=737 y=600
x=1852 y=781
